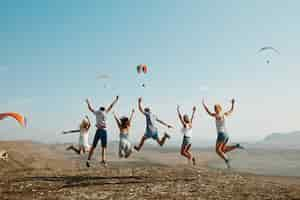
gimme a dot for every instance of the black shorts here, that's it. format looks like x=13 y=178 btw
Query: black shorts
x=101 y=134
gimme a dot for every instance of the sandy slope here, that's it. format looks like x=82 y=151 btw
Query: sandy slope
x=36 y=171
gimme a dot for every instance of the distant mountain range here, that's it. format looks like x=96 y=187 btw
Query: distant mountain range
x=289 y=140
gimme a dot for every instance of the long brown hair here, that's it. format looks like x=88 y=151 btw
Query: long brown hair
x=125 y=122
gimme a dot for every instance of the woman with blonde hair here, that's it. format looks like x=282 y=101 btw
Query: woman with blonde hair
x=83 y=144
x=221 y=144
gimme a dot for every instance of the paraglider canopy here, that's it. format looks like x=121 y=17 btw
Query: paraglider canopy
x=267 y=49
x=142 y=68
x=18 y=117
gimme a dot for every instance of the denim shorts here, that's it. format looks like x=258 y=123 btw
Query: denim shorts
x=151 y=134
x=101 y=134
x=222 y=137
x=186 y=141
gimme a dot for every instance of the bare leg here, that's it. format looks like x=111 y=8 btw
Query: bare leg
x=103 y=154
x=86 y=150
x=74 y=149
x=228 y=148
x=162 y=141
x=91 y=153
x=138 y=148
x=188 y=149
x=185 y=153
x=219 y=147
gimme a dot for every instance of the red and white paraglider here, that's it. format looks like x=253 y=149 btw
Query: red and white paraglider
x=142 y=69
x=18 y=117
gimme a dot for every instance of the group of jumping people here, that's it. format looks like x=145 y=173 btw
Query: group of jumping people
x=151 y=132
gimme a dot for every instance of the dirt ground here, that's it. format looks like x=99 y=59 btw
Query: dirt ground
x=37 y=171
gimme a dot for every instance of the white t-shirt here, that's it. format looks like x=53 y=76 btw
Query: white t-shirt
x=187 y=131
x=100 y=118
x=150 y=122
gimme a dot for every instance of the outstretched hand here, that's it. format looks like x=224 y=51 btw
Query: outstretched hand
x=140 y=99
x=233 y=101
x=194 y=108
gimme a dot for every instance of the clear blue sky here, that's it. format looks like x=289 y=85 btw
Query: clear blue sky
x=52 y=51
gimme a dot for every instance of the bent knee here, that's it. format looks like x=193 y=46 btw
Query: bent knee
x=218 y=149
x=182 y=152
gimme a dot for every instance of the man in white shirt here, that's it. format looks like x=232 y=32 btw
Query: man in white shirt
x=101 y=133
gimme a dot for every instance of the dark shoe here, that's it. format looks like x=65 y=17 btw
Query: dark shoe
x=239 y=146
x=136 y=148
x=167 y=135
x=88 y=164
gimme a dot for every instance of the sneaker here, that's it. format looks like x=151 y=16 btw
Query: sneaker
x=239 y=146
x=88 y=164
x=136 y=148
x=228 y=164
x=167 y=135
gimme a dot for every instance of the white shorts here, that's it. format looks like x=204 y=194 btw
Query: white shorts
x=125 y=148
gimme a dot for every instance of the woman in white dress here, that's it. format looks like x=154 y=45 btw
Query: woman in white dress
x=83 y=143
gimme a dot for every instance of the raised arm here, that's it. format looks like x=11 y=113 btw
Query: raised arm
x=89 y=106
x=88 y=119
x=164 y=123
x=131 y=115
x=117 y=120
x=207 y=110
x=180 y=116
x=112 y=104
x=231 y=109
x=193 y=114
x=140 y=106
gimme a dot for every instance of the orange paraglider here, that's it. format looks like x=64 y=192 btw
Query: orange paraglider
x=18 y=117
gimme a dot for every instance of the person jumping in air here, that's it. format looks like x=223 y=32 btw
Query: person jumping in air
x=124 y=123
x=186 y=130
x=151 y=130
x=221 y=145
x=83 y=136
x=101 y=133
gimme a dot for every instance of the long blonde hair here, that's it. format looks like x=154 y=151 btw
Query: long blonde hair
x=218 y=108
x=85 y=124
